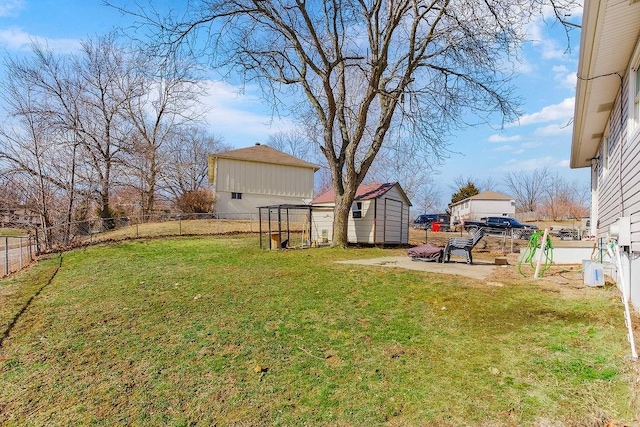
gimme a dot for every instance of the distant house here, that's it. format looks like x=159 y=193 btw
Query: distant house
x=19 y=218
x=379 y=215
x=487 y=203
x=247 y=178
x=606 y=126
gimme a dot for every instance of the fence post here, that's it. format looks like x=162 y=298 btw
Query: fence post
x=6 y=256
x=21 y=261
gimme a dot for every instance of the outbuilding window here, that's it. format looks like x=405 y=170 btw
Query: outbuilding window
x=356 y=210
x=237 y=196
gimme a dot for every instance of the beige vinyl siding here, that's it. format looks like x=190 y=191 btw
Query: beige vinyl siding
x=631 y=178
x=360 y=230
x=609 y=189
x=384 y=220
x=263 y=178
x=618 y=176
x=392 y=219
x=322 y=219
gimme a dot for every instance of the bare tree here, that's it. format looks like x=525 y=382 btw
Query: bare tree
x=188 y=150
x=564 y=199
x=105 y=77
x=429 y=198
x=291 y=141
x=486 y=184
x=371 y=72
x=38 y=149
x=165 y=98
x=528 y=188
x=411 y=171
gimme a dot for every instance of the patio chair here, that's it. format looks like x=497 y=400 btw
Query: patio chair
x=462 y=246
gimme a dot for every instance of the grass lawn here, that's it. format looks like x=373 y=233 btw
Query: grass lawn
x=12 y=232
x=213 y=331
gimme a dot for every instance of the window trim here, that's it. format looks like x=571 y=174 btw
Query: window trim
x=634 y=90
x=356 y=210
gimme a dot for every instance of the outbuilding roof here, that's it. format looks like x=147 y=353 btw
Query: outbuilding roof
x=364 y=192
x=264 y=154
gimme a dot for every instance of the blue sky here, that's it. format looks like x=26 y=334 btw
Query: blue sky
x=546 y=83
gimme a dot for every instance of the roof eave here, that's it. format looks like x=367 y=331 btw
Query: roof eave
x=587 y=39
x=609 y=34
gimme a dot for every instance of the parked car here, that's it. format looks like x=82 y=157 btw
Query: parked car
x=425 y=221
x=566 y=234
x=500 y=224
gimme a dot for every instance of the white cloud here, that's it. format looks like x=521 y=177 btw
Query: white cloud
x=550 y=113
x=554 y=130
x=16 y=39
x=528 y=164
x=240 y=115
x=531 y=144
x=564 y=77
x=10 y=7
x=503 y=148
x=547 y=46
x=501 y=138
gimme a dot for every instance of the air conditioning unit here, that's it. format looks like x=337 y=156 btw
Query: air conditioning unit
x=621 y=231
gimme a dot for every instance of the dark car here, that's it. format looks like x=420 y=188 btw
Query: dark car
x=424 y=221
x=500 y=224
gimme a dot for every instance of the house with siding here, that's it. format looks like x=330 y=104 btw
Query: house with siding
x=606 y=130
x=487 y=203
x=248 y=178
x=379 y=215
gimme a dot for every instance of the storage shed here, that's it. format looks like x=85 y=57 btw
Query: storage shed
x=379 y=215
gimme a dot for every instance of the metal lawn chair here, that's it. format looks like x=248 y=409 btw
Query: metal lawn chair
x=462 y=246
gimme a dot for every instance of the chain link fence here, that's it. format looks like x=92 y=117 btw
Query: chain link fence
x=17 y=253
x=85 y=232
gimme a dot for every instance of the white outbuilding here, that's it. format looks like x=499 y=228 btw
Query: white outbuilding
x=487 y=203
x=379 y=215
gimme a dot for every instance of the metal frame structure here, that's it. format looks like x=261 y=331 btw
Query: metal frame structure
x=281 y=215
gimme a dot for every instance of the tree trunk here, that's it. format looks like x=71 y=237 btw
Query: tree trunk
x=341 y=221
x=105 y=212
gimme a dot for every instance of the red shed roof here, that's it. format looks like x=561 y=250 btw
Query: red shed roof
x=364 y=192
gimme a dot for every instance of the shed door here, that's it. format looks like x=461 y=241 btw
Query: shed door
x=393 y=221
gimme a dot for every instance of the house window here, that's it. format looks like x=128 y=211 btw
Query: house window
x=356 y=210
x=634 y=89
x=237 y=196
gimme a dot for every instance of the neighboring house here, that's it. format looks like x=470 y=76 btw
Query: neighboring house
x=487 y=203
x=606 y=129
x=248 y=178
x=19 y=218
x=379 y=215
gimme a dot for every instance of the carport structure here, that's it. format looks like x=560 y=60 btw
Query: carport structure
x=285 y=226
